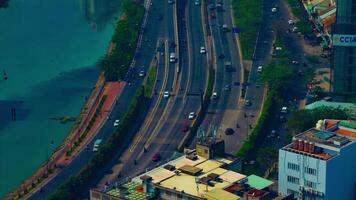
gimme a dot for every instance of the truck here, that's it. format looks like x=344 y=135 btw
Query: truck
x=97 y=144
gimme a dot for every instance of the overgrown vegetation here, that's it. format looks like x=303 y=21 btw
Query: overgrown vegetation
x=299 y=12
x=80 y=182
x=247 y=14
x=277 y=76
x=124 y=39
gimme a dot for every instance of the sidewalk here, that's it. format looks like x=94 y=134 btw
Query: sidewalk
x=112 y=91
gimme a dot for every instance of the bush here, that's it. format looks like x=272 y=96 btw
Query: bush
x=125 y=38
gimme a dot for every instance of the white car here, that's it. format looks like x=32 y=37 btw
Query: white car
x=202 y=50
x=170 y=1
x=284 y=110
x=116 y=123
x=197 y=2
x=278 y=48
x=295 y=29
x=142 y=73
x=166 y=94
x=191 y=115
x=295 y=62
x=290 y=22
x=274 y=10
x=259 y=69
x=215 y=95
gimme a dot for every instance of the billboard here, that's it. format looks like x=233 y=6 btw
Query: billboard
x=344 y=40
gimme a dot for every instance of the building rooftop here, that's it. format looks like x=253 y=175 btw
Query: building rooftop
x=258 y=182
x=341 y=105
x=218 y=194
x=328 y=134
x=200 y=178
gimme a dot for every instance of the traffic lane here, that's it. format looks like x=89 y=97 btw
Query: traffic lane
x=118 y=111
x=138 y=151
x=197 y=41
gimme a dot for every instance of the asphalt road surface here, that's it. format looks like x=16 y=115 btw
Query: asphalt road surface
x=163 y=134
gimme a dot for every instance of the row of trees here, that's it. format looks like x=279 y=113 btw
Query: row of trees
x=277 y=77
x=125 y=38
x=115 y=67
x=81 y=182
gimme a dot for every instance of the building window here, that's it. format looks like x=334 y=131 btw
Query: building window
x=310 y=184
x=310 y=171
x=292 y=179
x=293 y=166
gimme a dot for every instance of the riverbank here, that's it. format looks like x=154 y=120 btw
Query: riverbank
x=125 y=25
x=51 y=73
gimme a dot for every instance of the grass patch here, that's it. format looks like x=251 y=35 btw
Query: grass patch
x=150 y=81
x=300 y=13
x=247 y=14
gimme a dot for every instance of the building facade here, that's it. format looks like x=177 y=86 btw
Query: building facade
x=344 y=46
x=319 y=164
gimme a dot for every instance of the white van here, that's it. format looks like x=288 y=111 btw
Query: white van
x=172 y=57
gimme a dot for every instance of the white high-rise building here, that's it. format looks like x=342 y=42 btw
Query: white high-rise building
x=320 y=163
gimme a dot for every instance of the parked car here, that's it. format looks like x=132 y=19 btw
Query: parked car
x=274 y=10
x=259 y=69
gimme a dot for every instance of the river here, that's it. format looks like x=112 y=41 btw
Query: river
x=48 y=51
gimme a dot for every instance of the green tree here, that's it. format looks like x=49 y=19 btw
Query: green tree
x=302 y=120
x=266 y=157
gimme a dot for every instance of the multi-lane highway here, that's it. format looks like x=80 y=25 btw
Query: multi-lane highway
x=182 y=32
x=160 y=132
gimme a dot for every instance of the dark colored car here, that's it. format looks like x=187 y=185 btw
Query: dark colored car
x=229 y=131
x=156 y=157
x=185 y=128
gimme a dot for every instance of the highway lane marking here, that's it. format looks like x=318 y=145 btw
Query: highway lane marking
x=154 y=110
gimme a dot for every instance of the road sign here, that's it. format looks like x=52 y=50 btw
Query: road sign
x=236 y=30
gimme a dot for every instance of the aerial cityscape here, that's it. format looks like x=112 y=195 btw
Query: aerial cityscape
x=178 y=99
